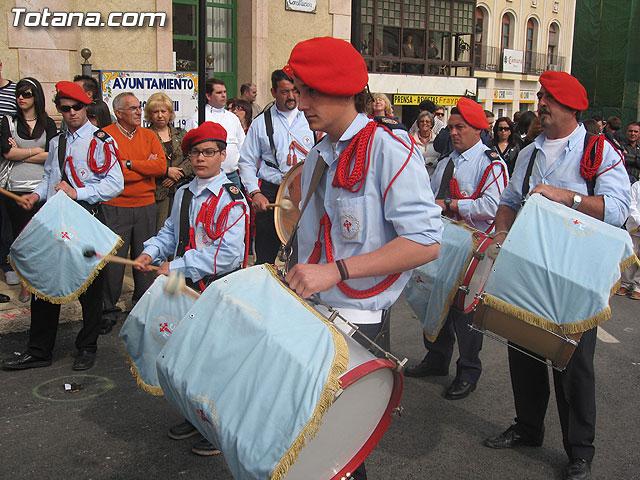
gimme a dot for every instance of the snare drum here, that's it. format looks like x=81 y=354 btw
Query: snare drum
x=273 y=384
x=476 y=276
x=290 y=189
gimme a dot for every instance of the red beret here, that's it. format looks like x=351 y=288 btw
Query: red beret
x=207 y=132
x=473 y=113
x=566 y=89
x=329 y=65
x=73 y=91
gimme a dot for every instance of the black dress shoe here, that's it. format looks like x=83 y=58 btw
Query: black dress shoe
x=4 y=298
x=84 y=360
x=578 y=469
x=423 y=369
x=509 y=439
x=107 y=325
x=182 y=431
x=25 y=361
x=459 y=389
x=205 y=448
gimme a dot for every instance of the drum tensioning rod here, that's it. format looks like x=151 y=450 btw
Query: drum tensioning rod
x=512 y=345
x=336 y=314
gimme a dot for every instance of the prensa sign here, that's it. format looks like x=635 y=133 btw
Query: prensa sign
x=308 y=6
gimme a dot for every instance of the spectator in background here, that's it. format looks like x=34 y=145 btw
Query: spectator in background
x=380 y=106
x=159 y=113
x=592 y=126
x=424 y=140
x=8 y=104
x=437 y=113
x=535 y=129
x=516 y=118
x=98 y=114
x=506 y=141
x=631 y=147
x=439 y=120
x=613 y=126
x=242 y=109
x=132 y=214
x=24 y=140
x=89 y=85
x=630 y=284
x=600 y=121
x=524 y=123
x=491 y=120
x=248 y=93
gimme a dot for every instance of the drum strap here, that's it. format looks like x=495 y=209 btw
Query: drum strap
x=62 y=154
x=268 y=123
x=184 y=222
x=443 y=191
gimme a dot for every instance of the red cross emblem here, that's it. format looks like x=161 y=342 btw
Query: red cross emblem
x=347 y=225
x=164 y=327
x=202 y=416
x=576 y=222
x=419 y=279
x=65 y=235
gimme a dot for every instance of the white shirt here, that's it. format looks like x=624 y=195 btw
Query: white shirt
x=553 y=149
x=235 y=133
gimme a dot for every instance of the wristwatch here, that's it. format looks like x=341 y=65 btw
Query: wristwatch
x=128 y=164
x=577 y=199
x=447 y=204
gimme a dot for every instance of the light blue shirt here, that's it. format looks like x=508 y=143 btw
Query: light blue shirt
x=210 y=257
x=362 y=221
x=612 y=181
x=97 y=187
x=256 y=146
x=469 y=168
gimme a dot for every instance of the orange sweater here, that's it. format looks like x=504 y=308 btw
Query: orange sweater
x=139 y=182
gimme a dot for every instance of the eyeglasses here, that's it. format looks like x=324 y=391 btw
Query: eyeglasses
x=504 y=129
x=27 y=94
x=207 y=152
x=438 y=114
x=67 y=108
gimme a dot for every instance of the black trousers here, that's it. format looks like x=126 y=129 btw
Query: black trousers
x=45 y=317
x=267 y=240
x=575 y=397
x=440 y=351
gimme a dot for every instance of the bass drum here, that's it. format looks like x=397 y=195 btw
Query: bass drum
x=290 y=189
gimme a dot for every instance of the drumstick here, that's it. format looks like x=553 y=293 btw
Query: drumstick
x=285 y=204
x=17 y=198
x=113 y=258
x=176 y=283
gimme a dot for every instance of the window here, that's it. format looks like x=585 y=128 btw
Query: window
x=221 y=37
x=530 y=47
x=552 y=47
x=506 y=31
x=417 y=37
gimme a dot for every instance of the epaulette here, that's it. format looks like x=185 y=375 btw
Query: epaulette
x=101 y=135
x=233 y=191
x=390 y=123
x=492 y=154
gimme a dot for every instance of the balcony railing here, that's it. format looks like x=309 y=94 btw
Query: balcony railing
x=490 y=59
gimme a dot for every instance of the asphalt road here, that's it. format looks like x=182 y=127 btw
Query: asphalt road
x=112 y=430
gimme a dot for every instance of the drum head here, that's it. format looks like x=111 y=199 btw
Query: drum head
x=476 y=277
x=290 y=188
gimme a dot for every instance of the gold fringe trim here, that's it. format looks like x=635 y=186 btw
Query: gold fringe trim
x=454 y=291
x=538 y=321
x=627 y=262
x=327 y=397
x=78 y=292
x=154 y=390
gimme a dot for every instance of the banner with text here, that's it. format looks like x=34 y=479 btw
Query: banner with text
x=444 y=100
x=181 y=87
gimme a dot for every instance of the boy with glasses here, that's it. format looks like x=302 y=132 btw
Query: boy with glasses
x=206 y=231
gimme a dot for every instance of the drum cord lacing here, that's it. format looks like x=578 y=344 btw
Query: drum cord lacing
x=217 y=230
x=357 y=152
x=589 y=168
x=92 y=163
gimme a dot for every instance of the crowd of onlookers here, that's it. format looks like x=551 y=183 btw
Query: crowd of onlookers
x=26 y=129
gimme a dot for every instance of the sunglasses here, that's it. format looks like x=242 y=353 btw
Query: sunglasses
x=504 y=129
x=67 y=108
x=27 y=94
x=438 y=114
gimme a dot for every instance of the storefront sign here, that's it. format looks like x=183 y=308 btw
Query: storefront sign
x=512 y=60
x=527 y=96
x=308 y=6
x=444 y=100
x=502 y=96
x=181 y=87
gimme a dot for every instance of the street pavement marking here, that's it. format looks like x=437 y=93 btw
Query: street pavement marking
x=606 y=337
